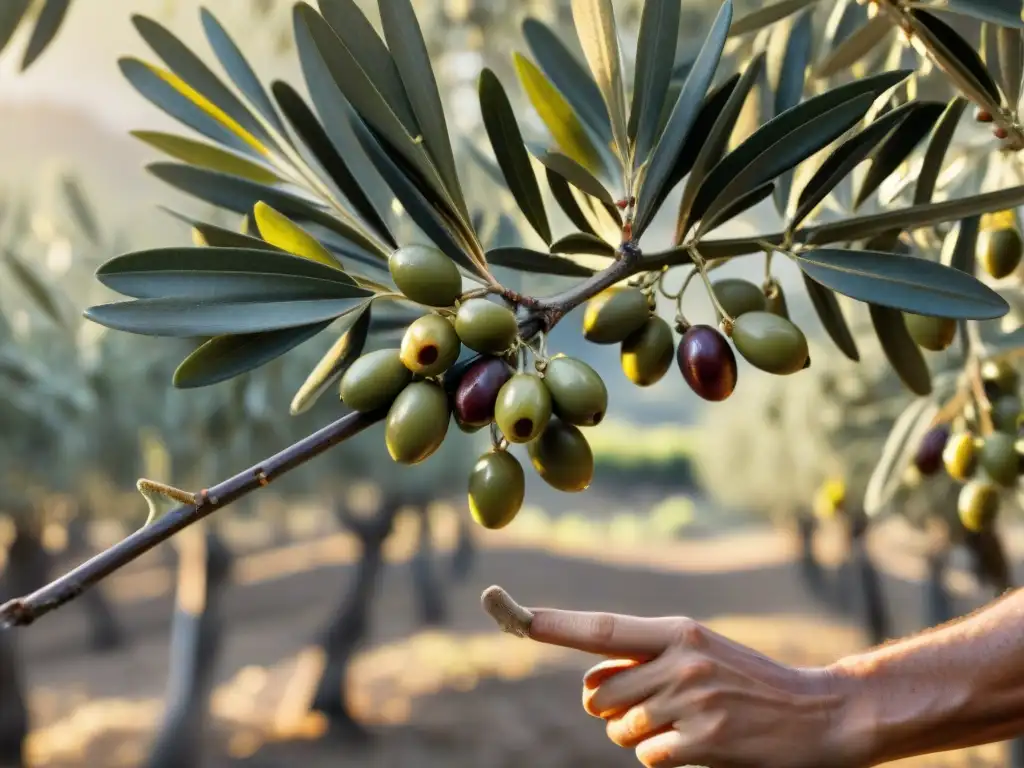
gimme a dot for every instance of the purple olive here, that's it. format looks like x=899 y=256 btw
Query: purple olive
x=478 y=390
x=928 y=458
x=707 y=362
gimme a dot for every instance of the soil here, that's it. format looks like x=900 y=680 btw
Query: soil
x=457 y=697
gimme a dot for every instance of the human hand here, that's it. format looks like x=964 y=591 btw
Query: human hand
x=679 y=694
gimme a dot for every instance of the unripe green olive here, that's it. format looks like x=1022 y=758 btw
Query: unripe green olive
x=578 y=393
x=998 y=457
x=1006 y=411
x=425 y=275
x=417 y=422
x=1000 y=378
x=486 y=327
x=430 y=346
x=775 y=301
x=738 y=297
x=960 y=456
x=497 y=487
x=770 y=342
x=562 y=457
x=978 y=505
x=1000 y=250
x=374 y=380
x=614 y=314
x=647 y=353
x=932 y=333
x=523 y=408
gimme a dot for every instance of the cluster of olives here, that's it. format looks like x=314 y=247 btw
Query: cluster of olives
x=999 y=251
x=423 y=389
x=986 y=464
x=759 y=327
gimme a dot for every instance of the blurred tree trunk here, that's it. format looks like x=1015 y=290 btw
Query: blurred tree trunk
x=464 y=554
x=106 y=633
x=868 y=594
x=938 y=602
x=351 y=621
x=204 y=566
x=427 y=584
x=811 y=571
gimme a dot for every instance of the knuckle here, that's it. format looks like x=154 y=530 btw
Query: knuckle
x=709 y=700
x=689 y=633
x=693 y=672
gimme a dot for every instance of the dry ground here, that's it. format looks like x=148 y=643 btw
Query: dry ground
x=465 y=696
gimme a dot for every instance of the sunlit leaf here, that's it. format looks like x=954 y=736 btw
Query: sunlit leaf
x=279 y=230
x=48 y=23
x=11 y=14
x=938 y=145
x=1005 y=13
x=595 y=24
x=1011 y=61
x=572 y=172
x=900 y=349
x=583 y=243
x=507 y=144
x=955 y=56
x=855 y=46
x=656 y=51
x=960 y=246
x=901 y=445
x=207 y=156
x=766 y=15
x=536 y=262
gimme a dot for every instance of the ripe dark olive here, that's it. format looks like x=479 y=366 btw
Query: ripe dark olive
x=1006 y=412
x=613 y=315
x=998 y=457
x=523 y=408
x=1000 y=378
x=1000 y=251
x=932 y=333
x=707 y=363
x=478 y=391
x=960 y=456
x=497 y=487
x=425 y=275
x=647 y=354
x=978 y=505
x=578 y=393
x=374 y=380
x=770 y=342
x=562 y=457
x=430 y=345
x=928 y=458
x=738 y=297
x=417 y=422
x=486 y=327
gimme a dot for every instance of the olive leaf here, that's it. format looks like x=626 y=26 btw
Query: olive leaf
x=1010 y=44
x=207 y=156
x=355 y=330
x=855 y=46
x=213 y=236
x=568 y=75
x=735 y=206
x=687 y=107
x=900 y=446
x=507 y=144
x=277 y=229
x=656 y=51
x=961 y=244
x=766 y=16
x=572 y=172
x=12 y=13
x=906 y=283
x=80 y=209
x=224 y=357
x=1005 y=13
x=955 y=56
x=935 y=154
x=898 y=146
x=826 y=305
x=900 y=349
x=536 y=262
x=488 y=166
x=556 y=113
x=595 y=24
x=42 y=295
x=583 y=243
x=48 y=23
x=563 y=195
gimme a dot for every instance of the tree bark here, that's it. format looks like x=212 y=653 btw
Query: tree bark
x=204 y=566
x=351 y=621
x=433 y=610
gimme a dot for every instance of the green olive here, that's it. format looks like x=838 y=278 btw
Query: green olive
x=430 y=346
x=1000 y=378
x=998 y=457
x=613 y=315
x=1006 y=411
x=770 y=342
x=523 y=408
x=562 y=457
x=497 y=487
x=932 y=333
x=647 y=353
x=374 y=380
x=486 y=327
x=417 y=422
x=425 y=275
x=775 y=301
x=578 y=393
x=960 y=456
x=999 y=251
x=738 y=297
x=978 y=505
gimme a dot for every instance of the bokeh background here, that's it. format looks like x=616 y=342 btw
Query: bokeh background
x=333 y=619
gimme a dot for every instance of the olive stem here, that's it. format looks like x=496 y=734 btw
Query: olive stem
x=981 y=401
x=724 y=317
